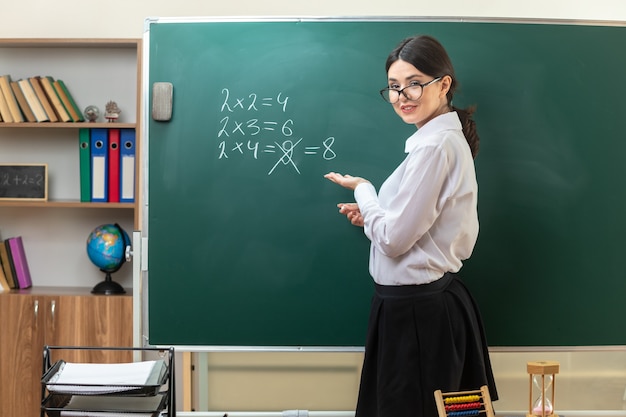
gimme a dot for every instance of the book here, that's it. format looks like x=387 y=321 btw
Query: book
x=29 y=116
x=127 y=166
x=5 y=113
x=33 y=101
x=20 y=262
x=14 y=107
x=65 y=102
x=99 y=148
x=69 y=102
x=84 y=155
x=4 y=284
x=53 y=97
x=43 y=99
x=114 y=166
x=9 y=266
x=6 y=265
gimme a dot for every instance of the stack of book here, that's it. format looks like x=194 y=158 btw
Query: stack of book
x=14 y=270
x=37 y=99
x=107 y=165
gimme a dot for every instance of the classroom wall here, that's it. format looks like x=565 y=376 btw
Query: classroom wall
x=124 y=19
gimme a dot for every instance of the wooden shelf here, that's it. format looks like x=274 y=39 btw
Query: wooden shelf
x=68 y=43
x=66 y=204
x=61 y=125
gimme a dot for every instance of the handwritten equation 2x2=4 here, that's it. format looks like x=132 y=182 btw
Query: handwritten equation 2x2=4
x=269 y=134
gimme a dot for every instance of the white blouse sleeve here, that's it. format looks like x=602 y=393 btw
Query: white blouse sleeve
x=408 y=210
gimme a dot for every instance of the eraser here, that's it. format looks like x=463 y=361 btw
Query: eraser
x=162 y=93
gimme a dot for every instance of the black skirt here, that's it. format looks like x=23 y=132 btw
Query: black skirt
x=422 y=338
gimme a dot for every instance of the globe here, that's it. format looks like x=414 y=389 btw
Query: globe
x=106 y=248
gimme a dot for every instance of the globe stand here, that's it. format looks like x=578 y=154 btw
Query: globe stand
x=108 y=286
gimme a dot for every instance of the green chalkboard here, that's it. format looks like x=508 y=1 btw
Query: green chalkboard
x=246 y=247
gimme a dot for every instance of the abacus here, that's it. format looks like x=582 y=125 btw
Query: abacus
x=464 y=403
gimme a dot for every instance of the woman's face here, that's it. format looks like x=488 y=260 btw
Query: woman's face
x=429 y=105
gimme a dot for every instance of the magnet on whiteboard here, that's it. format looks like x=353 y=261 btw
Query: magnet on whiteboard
x=162 y=101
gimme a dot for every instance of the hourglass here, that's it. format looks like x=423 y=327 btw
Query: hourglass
x=541 y=381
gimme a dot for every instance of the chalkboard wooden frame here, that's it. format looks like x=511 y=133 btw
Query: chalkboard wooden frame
x=547 y=267
x=24 y=182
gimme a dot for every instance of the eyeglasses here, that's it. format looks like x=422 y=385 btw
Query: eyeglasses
x=411 y=92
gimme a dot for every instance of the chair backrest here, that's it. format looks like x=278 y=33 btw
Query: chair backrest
x=464 y=403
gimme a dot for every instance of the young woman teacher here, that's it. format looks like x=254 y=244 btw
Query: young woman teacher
x=425 y=332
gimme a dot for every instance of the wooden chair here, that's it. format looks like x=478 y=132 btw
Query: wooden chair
x=464 y=403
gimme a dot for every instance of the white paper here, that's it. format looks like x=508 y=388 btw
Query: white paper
x=104 y=378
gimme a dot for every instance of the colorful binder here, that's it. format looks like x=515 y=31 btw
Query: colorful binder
x=127 y=165
x=99 y=165
x=84 y=154
x=20 y=263
x=114 y=165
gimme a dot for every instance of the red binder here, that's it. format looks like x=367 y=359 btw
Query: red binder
x=114 y=165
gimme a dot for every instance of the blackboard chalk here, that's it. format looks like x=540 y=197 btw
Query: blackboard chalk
x=162 y=101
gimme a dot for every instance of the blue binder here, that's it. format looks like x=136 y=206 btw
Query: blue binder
x=99 y=165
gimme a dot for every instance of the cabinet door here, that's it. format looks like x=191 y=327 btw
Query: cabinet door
x=21 y=359
x=92 y=320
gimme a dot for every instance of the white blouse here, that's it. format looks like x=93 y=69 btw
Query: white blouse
x=424 y=221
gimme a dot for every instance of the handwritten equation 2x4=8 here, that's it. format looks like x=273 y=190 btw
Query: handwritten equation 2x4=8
x=281 y=144
x=284 y=150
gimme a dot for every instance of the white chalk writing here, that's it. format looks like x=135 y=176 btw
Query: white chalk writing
x=253 y=126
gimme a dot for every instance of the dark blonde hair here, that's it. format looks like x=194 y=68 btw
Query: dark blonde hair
x=430 y=57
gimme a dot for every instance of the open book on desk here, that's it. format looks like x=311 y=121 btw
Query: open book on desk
x=137 y=378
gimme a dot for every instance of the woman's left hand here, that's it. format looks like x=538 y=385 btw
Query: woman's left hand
x=352 y=213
